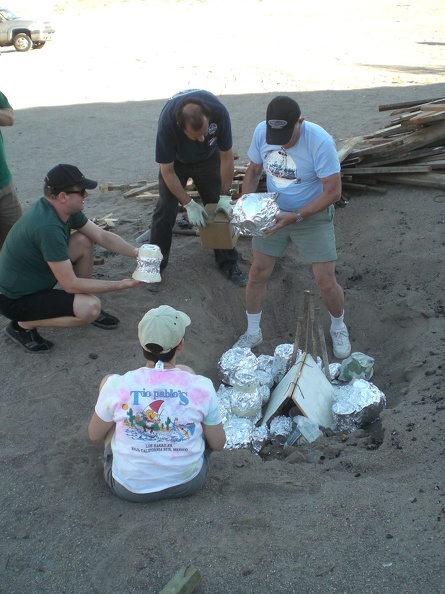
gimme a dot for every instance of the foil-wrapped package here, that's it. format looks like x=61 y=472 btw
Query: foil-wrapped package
x=237 y=360
x=224 y=395
x=334 y=370
x=280 y=428
x=238 y=433
x=357 y=404
x=281 y=361
x=255 y=212
x=246 y=401
x=357 y=366
x=260 y=437
x=265 y=371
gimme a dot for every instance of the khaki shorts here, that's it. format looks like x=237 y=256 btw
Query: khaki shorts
x=313 y=238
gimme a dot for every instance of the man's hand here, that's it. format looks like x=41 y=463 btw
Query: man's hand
x=196 y=214
x=282 y=220
x=224 y=205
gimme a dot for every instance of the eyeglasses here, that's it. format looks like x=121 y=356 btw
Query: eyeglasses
x=82 y=192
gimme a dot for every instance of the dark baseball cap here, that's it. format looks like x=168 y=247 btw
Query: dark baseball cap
x=282 y=115
x=63 y=176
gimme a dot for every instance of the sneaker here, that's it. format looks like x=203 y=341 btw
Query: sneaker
x=249 y=340
x=106 y=321
x=341 y=344
x=29 y=340
x=154 y=287
x=237 y=277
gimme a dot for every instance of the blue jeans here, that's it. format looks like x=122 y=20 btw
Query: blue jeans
x=206 y=177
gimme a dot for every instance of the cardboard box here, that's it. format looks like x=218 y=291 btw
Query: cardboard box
x=219 y=233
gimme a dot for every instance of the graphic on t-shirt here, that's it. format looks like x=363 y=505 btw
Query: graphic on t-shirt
x=282 y=168
x=155 y=425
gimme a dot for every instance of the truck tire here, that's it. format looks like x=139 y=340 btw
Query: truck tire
x=38 y=44
x=22 y=42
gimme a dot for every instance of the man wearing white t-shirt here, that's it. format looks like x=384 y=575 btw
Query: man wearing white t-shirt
x=160 y=421
x=302 y=167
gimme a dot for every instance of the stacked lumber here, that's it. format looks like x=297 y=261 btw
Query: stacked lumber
x=410 y=149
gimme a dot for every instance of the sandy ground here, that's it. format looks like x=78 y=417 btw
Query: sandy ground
x=365 y=514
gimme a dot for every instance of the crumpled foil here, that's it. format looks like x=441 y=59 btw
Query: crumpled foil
x=357 y=366
x=334 y=370
x=281 y=361
x=239 y=433
x=280 y=428
x=260 y=437
x=265 y=372
x=357 y=404
x=255 y=212
x=238 y=361
x=224 y=395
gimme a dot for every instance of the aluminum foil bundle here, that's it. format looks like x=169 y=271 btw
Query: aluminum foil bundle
x=281 y=361
x=246 y=401
x=265 y=370
x=357 y=404
x=357 y=366
x=334 y=370
x=253 y=213
x=224 y=395
x=260 y=437
x=238 y=359
x=280 y=428
x=148 y=264
x=239 y=433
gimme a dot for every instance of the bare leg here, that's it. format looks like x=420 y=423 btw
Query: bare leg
x=260 y=271
x=331 y=291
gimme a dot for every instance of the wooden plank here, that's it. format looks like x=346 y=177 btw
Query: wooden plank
x=391 y=106
x=426 y=118
x=427 y=180
x=185 y=581
x=140 y=189
x=346 y=146
x=353 y=186
x=390 y=169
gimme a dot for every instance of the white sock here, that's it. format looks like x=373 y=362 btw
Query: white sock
x=253 y=322
x=337 y=324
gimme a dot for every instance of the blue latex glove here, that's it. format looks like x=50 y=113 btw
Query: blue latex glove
x=196 y=214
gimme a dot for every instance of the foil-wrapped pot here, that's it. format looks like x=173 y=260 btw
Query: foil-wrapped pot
x=239 y=433
x=334 y=370
x=253 y=213
x=281 y=361
x=236 y=361
x=246 y=401
x=260 y=437
x=224 y=395
x=148 y=264
x=280 y=428
x=357 y=366
x=356 y=405
x=265 y=370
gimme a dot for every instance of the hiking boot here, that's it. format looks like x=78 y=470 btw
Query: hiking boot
x=237 y=277
x=29 y=340
x=341 y=344
x=249 y=340
x=106 y=321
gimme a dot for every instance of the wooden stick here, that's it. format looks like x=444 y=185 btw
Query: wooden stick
x=322 y=339
x=296 y=341
x=305 y=322
x=312 y=326
x=391 y=106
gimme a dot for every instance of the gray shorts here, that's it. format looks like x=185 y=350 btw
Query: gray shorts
x=10 y=209
x=314 y=239
x=189 y=488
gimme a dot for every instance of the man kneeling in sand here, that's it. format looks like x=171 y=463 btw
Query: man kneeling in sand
x=159 y=422
x=53 y=242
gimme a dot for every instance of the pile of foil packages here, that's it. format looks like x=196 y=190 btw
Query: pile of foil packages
x=253 y=213
x=247 y=382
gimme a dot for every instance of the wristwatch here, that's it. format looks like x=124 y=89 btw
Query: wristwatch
x=299 y=218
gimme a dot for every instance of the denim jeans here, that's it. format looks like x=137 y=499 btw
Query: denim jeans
x=206 y=177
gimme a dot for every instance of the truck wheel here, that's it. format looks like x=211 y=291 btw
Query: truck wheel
x=22 y=42
x=38 y=44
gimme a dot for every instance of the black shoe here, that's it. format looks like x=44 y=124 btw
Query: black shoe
x=29 y=340
x=106 y=321
x=154 y=287
x=237 y=277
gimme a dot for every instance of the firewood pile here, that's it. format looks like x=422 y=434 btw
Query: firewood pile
x=410 y=149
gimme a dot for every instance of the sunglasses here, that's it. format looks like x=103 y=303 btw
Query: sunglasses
x=82 y=192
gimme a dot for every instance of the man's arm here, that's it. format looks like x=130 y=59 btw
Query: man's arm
x=215 y=436
x=173 y=183
x=226 y=169
x=6 y=116
x=252 y=177
x=108 y=240
x=330 y=195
